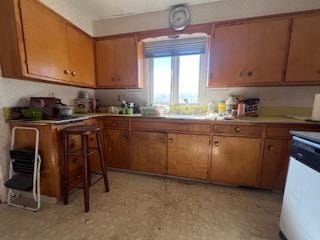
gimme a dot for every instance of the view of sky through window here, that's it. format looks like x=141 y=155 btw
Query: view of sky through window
x=162 y=80
x=187 y=81
x=189 y=73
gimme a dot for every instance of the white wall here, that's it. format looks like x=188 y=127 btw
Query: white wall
x=216 y=11
x=70 y=11
x=269 y=96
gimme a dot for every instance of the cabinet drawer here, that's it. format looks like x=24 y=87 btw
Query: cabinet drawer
x=284 y=132
x=172 y=126
x=74 y=143
x=238 y=130
x=116 y=123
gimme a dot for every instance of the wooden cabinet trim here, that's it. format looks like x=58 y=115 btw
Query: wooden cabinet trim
x=171 y=126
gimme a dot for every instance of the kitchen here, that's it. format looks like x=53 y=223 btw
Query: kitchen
x=199 y=136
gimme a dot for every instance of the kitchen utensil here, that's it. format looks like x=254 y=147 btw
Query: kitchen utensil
x=65 y=111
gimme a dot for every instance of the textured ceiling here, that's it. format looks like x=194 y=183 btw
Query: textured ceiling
x=105 y=9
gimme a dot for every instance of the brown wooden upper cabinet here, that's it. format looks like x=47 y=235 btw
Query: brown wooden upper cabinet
x=304 y=54
x=38 y=44
x=81 y=57
x=119 y=63
x=251 y=53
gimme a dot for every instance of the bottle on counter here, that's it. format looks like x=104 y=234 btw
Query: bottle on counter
x=241 y=110
x=222 y=107
x=211 y=107
x=232 y=105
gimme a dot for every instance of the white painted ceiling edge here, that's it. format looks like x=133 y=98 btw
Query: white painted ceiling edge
x=203 y=13
x=85 y=18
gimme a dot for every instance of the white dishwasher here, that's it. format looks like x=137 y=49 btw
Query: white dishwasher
x=300 y=215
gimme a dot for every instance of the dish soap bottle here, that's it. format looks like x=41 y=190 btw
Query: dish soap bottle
x=222 y=107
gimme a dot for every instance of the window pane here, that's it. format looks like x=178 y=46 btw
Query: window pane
x=189 y=74
x=161 y=80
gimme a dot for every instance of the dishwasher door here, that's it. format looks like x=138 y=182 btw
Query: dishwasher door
x=300 y=215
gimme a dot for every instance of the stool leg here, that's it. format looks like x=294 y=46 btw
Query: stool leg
x=84 y=143
x=102 y=162
x=65 y=180
x=88 y=166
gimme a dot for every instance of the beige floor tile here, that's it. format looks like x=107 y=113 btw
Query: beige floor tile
x=150 y=208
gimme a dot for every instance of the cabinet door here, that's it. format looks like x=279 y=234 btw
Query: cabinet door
x=304 y=53
x=267 y=49
x=149 y=152
x=235 y=160
x=126 y=62
x=188 y=155
x=45 y=42
x=81 y=57
x=117 y=150
x=275 y=163
x=229 y=55
x=105 y=63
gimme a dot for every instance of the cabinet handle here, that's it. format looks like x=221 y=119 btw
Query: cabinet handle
x=216 y=143
x=250 y=74
x=114 y=124
x=242 y=74
x=300 y=155
x=237 y=129
x=270 y=147
x=162 y=140
x=74 y=74
x=170 y=140
x=67 y=72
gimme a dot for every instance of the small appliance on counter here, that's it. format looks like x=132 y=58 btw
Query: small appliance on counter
x=47 y=104
x=82 y=105
x=252 y=107
x=300 y=208
x=51 y=107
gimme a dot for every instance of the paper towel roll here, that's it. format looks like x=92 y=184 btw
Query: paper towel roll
x=316 y=108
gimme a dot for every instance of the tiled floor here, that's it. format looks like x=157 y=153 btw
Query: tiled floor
x=150 y=208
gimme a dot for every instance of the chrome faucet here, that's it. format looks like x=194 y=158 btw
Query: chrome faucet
x=186 y=101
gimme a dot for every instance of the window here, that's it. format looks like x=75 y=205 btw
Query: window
x=177 y=69
x=175 y=80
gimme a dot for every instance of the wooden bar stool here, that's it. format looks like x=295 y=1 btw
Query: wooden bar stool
x=83 y=131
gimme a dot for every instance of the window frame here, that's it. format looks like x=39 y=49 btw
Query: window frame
x=174 y=94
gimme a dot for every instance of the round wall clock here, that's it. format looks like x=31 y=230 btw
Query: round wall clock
x=179 y=18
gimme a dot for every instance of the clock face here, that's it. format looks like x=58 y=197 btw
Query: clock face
x=179 y=18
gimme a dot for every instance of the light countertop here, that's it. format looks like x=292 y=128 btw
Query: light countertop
x=261 y=119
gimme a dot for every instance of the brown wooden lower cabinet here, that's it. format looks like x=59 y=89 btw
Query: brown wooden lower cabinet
x=235 y=160
x=117 y=148
x=275 y=163
x=188 y=155
x=149 y=152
